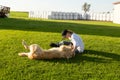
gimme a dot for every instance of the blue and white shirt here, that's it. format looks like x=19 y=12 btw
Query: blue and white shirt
x=77 y=42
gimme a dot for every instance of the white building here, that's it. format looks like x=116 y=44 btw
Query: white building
x=116 y=13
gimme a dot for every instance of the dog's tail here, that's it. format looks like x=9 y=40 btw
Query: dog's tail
x=25 y=45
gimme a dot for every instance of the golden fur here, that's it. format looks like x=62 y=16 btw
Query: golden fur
x=38 y=53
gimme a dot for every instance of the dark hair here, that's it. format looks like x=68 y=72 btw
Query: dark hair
x=64 y=32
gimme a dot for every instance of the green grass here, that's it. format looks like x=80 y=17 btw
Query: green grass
x=17 y=14
x=100 y=61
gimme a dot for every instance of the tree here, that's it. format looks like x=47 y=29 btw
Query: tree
x=86 y=7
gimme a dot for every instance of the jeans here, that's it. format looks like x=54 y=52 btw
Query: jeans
x=60 y=43
x=65 y=43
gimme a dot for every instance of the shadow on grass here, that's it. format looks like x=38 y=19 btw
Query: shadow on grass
x=90 y=56
x=57 y=27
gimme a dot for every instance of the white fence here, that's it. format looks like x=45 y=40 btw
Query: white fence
x=64 y=16
x=71 y=15
x=39 y=14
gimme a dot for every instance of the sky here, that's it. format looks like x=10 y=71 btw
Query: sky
x=58 y=5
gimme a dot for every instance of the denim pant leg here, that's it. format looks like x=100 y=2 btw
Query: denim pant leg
x=64 y=43
x=77 y=52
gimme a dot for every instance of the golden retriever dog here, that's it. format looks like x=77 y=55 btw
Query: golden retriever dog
x=38 y=53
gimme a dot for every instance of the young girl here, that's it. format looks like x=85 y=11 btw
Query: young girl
x=78 y=45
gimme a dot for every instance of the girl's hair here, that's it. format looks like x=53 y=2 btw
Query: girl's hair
x=70 y=31
x=66 y=31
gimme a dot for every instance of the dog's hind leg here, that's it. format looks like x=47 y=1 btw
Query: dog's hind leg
x=23 y=54
x=25 y=45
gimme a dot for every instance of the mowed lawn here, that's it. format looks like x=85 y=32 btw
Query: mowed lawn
x=100 y=61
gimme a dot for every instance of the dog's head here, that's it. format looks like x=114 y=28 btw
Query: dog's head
x=65 y=48
x=68 y=51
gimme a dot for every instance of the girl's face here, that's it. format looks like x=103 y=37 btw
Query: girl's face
x=68 y=35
